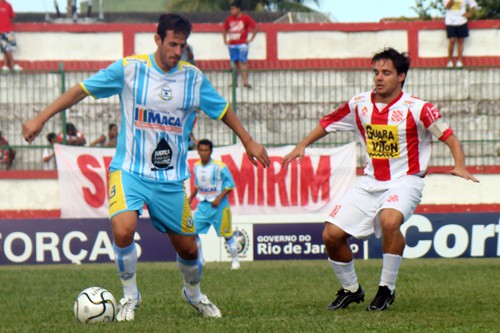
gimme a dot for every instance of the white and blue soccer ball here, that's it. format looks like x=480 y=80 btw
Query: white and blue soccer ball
x=95 y=304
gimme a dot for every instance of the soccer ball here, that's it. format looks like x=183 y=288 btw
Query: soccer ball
x=95 y=305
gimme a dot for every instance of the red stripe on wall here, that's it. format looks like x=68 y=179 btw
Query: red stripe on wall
x=271 y=30
x=421 y=209
x=478 y=208
x=29 y=214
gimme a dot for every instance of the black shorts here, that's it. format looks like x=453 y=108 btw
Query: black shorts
x=457 y=31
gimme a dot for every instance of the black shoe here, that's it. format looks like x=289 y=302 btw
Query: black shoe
x=345 y=297
x=382 y=300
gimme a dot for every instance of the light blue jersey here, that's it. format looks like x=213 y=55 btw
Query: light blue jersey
x=211 y=180
x=158 y=111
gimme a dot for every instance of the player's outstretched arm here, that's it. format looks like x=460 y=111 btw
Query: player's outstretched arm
x=33 y=126
x=299 y=150
x=458 y=155
x=255 y=151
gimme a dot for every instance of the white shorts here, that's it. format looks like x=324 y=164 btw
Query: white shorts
x=357 y=213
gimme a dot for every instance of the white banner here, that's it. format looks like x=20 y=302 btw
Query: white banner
x=310 y=187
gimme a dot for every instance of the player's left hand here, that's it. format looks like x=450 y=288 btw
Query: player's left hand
x=463 y=173
x=257 y=152
x=297 y=153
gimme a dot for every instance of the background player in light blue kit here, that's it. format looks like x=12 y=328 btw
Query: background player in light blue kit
x=213 y=182
x=159 y=95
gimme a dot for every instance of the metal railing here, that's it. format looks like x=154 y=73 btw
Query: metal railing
x=280 y=109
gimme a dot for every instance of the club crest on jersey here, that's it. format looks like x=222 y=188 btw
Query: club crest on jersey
x=364 y=111
x=166 y=93
x=397 y=116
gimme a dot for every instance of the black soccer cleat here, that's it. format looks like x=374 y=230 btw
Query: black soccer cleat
x=382 y=300
x=345 y=297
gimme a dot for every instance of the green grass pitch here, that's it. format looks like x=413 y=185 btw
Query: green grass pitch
x=433 y=295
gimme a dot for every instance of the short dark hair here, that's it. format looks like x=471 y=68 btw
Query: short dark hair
x=236 y=4
x=111 y=126
x=206 y=142
x=179 y=24
x=51 y=136
x=70 y=127
x=401 y=61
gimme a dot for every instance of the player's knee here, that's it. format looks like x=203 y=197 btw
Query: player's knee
x=122 y=239
x=188 y=252
x=333 y=236
x=123 y=235
x=390 y=225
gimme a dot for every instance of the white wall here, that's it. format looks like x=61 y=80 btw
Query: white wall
x=108 y=46
x=206 y=46
x=440 y=189
x=337 y=44
x=40 y=46
x=484 y=42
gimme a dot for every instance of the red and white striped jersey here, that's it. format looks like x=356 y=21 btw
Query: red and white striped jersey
x=396 y=139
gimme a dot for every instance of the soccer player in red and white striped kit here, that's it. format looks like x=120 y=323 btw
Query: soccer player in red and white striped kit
x=395 y=130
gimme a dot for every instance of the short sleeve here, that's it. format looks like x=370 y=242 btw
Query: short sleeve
x=250 y=22
x=342 y=119
x=213 y=104
x=429 y=114
x=107 y=82
x=227 y=179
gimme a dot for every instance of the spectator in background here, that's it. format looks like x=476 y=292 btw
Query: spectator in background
x=455 y=18
x=48 y=155
x=7 y=154
x=236 y=29
x=73 y=136
x=7 y=39
x=188 y=55
x=110 y=141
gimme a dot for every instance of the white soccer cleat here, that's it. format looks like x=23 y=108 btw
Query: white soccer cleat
x=235 y=265
x=127 y=308
x=204 y=306
x=5 y=69
x=449 y=64
x=17 y=68
x=459 y=64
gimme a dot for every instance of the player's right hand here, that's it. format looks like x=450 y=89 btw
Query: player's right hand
x=297 y=152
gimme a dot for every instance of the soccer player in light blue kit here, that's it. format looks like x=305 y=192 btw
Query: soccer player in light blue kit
x=159 y=95
x=213 y=183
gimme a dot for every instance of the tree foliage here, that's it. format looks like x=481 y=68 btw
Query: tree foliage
x=488 y=9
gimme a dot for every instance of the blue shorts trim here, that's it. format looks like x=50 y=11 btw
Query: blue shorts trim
x=220 y=218
x=166 y=202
